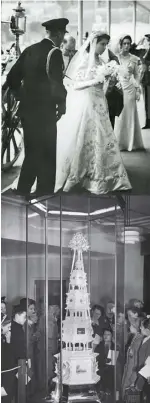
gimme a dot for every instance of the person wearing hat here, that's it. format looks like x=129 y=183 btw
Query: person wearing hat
x=37 y=80
x=146 y=80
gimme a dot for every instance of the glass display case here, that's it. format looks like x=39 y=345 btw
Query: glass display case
x=64 y=258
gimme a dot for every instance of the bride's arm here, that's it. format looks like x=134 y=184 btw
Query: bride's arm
x=82 y=85
x=85 y=79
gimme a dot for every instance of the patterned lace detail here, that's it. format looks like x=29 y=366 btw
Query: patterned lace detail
x=96 y=162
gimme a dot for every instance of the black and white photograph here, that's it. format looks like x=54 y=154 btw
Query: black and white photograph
x=75 y=300
x=75 y=97
x=75 y=201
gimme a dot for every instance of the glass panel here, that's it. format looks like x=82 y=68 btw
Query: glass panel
x=13 y=288
x=64 y=282
x=37 y=299
x=121 y=19
x=142 y=21
x=94 y=12
x=119 y=298
x=103 y=292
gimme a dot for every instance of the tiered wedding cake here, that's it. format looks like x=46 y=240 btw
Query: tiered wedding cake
x=79 y=366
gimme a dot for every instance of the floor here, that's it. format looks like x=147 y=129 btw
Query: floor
x=137 y=164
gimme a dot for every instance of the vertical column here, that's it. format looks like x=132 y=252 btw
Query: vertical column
x=80 y=22
x=61 y=303
x=46 y=296
x=108 y=16
x=134 y=20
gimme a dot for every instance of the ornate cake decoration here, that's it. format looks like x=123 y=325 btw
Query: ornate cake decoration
x=79 y=364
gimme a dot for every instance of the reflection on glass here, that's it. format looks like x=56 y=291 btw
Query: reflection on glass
x=121 y=19
x=142 y=21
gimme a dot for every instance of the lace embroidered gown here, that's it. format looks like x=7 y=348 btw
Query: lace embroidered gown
x=87 y=149
x=127 y=128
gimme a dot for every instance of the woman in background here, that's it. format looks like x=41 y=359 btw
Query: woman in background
x=130 y=369
x=8 y=373
x=127 y=129
x=142 y=384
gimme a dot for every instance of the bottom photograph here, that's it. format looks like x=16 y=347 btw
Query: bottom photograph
x=75 y=299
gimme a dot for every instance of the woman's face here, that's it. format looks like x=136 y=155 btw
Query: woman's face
x=31 y=310
x=6 y=330
x=3 y=308
x=126 y=44
x=96 y=314
x=107 y=337
x=145 y=331
x=101 y=46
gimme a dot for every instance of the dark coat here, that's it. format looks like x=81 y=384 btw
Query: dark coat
x=29 y=80
x=114 y=97
x=7 y=378
x=144 y=353
x=30 y=70
x=18 y=343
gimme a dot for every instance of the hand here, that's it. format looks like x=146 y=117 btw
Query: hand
x=130 y=69
x=118 y=85
x=148 y=380
x=60 y=110
x=138 y=96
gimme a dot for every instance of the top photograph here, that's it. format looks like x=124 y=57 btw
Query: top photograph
x=75 y=98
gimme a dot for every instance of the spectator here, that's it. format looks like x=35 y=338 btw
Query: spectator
x=8 y=374
x=130 y=369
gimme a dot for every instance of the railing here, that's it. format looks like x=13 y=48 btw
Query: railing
x=22 y=380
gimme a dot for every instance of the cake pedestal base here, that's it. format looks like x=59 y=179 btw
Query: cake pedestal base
x=80 y=393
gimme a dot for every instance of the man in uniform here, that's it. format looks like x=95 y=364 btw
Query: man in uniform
x=39 y=109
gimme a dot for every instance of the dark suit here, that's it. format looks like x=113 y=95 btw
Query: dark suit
x=38 y=113
x=114 y=97
x=8 y=377
x=146 y=84
x=144 y=353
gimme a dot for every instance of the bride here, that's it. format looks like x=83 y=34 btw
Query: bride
x=87 y=151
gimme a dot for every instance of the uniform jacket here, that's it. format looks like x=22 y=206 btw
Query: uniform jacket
x=30 y=71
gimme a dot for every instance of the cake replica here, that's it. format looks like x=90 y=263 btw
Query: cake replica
x=79 y=366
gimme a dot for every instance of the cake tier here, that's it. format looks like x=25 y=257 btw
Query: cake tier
x=77 y=369
x=79 y=332
x=77 y=299
x=78 y=277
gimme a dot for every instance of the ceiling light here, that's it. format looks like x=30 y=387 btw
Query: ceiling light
x=132 y=235
x=77 y=213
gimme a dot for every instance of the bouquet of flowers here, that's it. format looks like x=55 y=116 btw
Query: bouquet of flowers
x=109 y=75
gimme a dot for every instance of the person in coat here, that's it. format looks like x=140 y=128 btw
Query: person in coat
x=114 y=94
x=7 y=369
x=39 y=109
x=143 y=384
x=146 y=81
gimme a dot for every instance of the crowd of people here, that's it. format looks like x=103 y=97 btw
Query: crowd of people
x=78 y=111
x=23 y=338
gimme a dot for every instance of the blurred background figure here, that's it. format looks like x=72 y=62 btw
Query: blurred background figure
x=4 y=316
x=7 y=375
x=68 y=49
x=146 y=79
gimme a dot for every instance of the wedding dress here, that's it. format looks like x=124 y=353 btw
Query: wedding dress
x=127 y=127
x=87 y=149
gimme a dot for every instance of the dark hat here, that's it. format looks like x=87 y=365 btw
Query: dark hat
x=19 y=309
x=147 y=36
x=56 y=24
